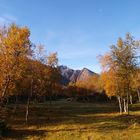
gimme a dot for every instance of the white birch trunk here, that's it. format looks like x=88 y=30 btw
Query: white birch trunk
x=124 y=105
x=120 y=105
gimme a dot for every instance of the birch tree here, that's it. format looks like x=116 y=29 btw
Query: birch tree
x=15 y=46
x=122 y=60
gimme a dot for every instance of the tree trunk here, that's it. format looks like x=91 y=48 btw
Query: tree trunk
x=120 y=105
x=124 y=105
x=5 y=87
x=28 y=102
x=127 y=104
x=131 y=99
x=138 y=94
x=27 y=109
x=8 y=80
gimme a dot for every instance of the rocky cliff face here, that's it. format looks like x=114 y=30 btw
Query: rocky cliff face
x=85 y=74
x=70 y=75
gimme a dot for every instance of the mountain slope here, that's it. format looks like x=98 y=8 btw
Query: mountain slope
x=70 y=75
x=85 y=74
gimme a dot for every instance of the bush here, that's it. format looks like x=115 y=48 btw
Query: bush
x=3 y=127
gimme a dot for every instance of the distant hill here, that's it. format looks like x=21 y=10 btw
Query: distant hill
x=70 y=75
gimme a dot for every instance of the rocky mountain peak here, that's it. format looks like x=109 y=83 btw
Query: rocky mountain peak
x=70 y=75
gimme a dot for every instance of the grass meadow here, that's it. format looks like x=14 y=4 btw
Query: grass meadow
x=64 y=120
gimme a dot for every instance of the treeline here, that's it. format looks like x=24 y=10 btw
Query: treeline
x=27 y=71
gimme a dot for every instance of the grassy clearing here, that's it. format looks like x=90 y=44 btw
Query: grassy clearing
x=73 y=121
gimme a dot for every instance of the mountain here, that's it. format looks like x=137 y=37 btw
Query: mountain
x=70 y=75
x=85 y=74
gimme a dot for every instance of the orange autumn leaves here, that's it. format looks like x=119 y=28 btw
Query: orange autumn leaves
x=18 y=63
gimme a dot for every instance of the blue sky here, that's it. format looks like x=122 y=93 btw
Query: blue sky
x=78 y=30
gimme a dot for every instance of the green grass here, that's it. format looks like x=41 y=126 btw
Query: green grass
x=73 y=121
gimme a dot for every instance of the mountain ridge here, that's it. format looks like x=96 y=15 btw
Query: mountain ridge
x=71 y=75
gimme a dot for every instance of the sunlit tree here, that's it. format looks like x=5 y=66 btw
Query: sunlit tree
x=122 y=60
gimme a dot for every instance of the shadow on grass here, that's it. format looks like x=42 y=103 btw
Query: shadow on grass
x=91 y=117
x=20 y=134
x=107 y=125
x=55 y=114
